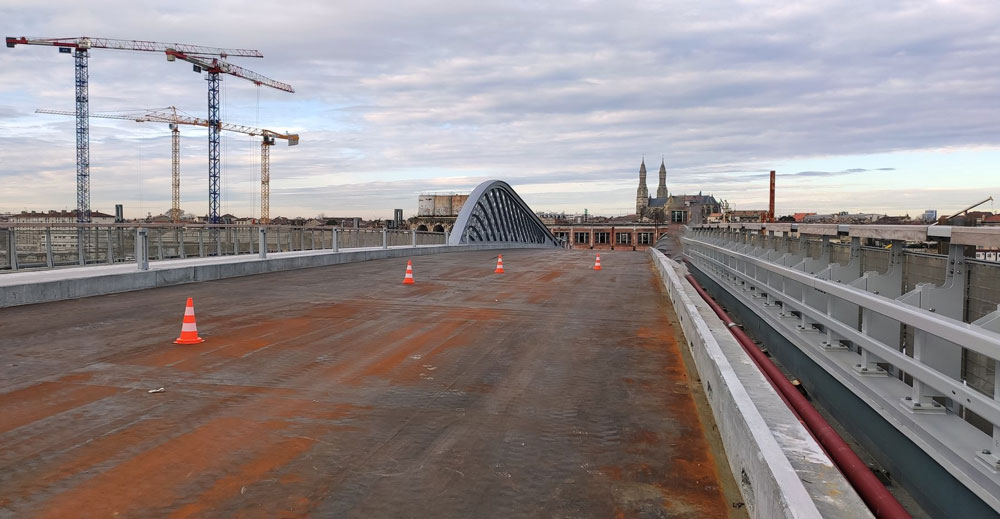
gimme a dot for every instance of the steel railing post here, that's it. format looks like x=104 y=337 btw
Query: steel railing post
x=201 y=242
x=142 y=248
x=111 y=247
x=12 y=248
x=81 y=246
x=335 y=244
x=49 y=260
x=385 y=238
x=413 y=237
x=159 y=244
x=262 y=239
x=218 y=241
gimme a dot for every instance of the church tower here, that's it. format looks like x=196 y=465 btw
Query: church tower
x=661 y=190
x=642 y=194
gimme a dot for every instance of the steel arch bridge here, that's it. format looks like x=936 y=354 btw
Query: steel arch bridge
x=494 y=213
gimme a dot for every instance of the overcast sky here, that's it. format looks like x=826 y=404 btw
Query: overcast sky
x=886 y=106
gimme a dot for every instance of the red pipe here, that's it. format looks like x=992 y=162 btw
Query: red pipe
x=871 y=490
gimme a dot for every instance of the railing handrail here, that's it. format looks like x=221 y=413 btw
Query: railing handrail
x=54 y=244
x=984 y=236
x=972 y=337
x=194 y=225
x=834 y=315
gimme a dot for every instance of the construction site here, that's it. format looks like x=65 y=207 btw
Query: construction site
x=483 y=359
x=204 y=60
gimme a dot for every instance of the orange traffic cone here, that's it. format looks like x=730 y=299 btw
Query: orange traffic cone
x=597 y=264
x=499 y=269
x=408 y=278
x=189 y=330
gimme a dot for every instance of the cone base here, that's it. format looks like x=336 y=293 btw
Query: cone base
x=597 y=268
x=498 y=271
x=196 y=340
x=408 y=282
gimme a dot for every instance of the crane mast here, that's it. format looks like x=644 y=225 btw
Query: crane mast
x=175 y=172
x=82 y=75
x=265 y=178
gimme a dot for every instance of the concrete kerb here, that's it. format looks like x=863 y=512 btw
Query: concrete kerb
x=770 y=453
x=58 y=285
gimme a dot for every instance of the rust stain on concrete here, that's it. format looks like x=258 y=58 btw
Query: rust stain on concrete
x=547 y=391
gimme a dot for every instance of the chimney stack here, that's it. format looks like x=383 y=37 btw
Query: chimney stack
x=770 y=206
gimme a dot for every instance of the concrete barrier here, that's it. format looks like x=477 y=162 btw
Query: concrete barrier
x=781 y=471
x=30 y=287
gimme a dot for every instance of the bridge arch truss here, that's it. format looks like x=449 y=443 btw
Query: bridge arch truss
x=494 y=213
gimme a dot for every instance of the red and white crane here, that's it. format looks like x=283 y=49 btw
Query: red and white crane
x=207 y=59
x=170 y=116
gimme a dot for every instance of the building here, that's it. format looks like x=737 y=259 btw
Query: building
x=440 y=205
x=747 y=216
x=64 y=239
x=930 y=215
x=437 y=212
x=58 y=217
x=608 y=236
x=843 y=217
x=683 y=209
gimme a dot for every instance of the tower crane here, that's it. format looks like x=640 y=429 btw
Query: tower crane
x=213 y=67
x=170 y=116
x=80 y=47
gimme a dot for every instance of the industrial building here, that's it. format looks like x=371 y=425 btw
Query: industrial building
x=437 y=212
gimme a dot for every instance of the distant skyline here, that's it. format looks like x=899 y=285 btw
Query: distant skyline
x=888 y=107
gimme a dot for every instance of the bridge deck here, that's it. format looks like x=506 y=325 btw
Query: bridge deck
x=549 y=391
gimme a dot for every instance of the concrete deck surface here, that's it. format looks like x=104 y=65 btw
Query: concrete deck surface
x=549 y=391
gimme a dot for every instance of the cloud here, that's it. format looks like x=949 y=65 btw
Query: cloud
x=396 y=96
x=833 y=173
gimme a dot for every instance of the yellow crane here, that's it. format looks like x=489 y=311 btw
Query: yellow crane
x=170 y=115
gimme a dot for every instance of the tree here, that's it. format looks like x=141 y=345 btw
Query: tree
x=658 y=215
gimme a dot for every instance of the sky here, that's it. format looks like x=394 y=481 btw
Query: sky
x=888 y=107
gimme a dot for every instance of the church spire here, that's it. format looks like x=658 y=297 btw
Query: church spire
x=661 y=190
x=642 y=194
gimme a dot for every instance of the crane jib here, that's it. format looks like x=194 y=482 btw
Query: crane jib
x=84 y=42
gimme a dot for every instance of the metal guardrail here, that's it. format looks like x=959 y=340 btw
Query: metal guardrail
x=52 y=245
x=984 y=237
x=900 y=352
